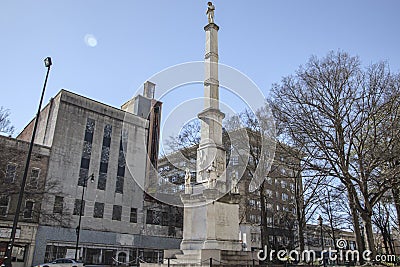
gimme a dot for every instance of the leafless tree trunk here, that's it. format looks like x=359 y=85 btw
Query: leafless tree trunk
x=381 y=220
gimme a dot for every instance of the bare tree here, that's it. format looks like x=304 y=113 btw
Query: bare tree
x=382 y=220
x=5 y=123
x=308 y=186
x=252 y=136
x=188 y=137
x=332 y=209
x=338 y=110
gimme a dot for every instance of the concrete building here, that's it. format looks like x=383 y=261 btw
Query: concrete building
x=117 y=146
x=13 y=155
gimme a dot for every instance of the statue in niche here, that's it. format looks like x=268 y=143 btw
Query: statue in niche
x=188 y=178
x=234 y=184
x=202 y=164
x=210 y=12
x=220 y=165
x=212 y=175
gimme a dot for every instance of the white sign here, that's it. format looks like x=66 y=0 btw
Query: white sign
x=71 y=253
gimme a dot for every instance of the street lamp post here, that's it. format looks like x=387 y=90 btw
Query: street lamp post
x=322 y=240
x=78 y=228
x=7 y=258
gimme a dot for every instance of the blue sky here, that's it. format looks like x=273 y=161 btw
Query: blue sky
x=265 y=40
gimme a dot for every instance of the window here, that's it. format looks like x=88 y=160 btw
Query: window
x=117 y=211
x=269 y=221
x=98 y=210
x=165 y=219
x=107 y=141
x=102 y=181
x=89 y=129
x=268 y=192
x=292 y=187
x=252 y=203
x=255 y=237
x=234 y=160
x=54 y=252
x=133 y=215
x=277 y=207
x=119 y=185
x=77 y=207
x=34 y=179
x=153 y=217
x=255 y=219
x=3 y=205
x=58 y=204
x=121 y=171
x=271 y=239
x=285 y=208
x=270 y=180
x=85 y=163
x=83 y=174
x=28 y=211
x=11 y=171
x=283 y=184
x=86 y=151
x=88 y=137
x=285 y=197
x=149 y=216
x=104 y=157
x=103 y=167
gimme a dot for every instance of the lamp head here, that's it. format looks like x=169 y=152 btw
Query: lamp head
x=92 y=178
x=47 y=62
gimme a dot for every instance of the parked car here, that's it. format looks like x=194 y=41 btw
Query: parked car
x=62 y=263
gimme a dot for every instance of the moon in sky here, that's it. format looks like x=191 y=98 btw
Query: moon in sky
x=90 y=40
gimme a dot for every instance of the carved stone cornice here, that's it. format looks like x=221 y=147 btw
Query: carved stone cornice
x=211 y=26
x=210 y=54
x=211 y=81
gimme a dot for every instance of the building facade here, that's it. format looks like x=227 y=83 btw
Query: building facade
x=12 y=164
x=114 y=146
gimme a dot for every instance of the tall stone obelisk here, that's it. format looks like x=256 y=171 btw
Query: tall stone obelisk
x=211 y=218
x=211 y=212
x=211 y=153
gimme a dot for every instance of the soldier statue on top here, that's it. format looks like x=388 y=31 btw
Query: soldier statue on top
x=210 y=12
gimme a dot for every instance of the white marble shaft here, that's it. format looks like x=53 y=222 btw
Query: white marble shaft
x=211 y=154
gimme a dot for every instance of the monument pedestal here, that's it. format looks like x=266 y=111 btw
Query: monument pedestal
x=211 y=231
x=211 y=223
